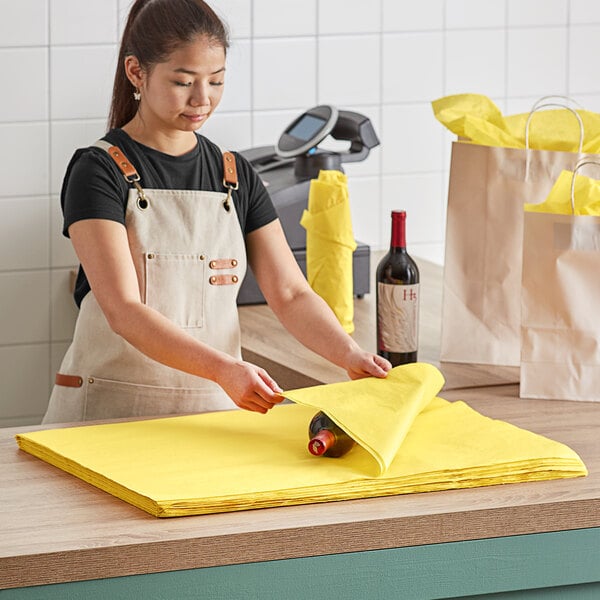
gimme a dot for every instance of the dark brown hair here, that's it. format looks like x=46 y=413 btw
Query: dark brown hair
x=155 y=29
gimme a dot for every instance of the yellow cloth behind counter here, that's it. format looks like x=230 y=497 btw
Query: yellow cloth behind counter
x=237 y=460
x=330 y=244
x=477 y=118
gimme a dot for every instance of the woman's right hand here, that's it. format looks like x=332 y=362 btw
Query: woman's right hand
x=249 y=386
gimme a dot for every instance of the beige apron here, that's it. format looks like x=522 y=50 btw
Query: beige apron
x=190 y=257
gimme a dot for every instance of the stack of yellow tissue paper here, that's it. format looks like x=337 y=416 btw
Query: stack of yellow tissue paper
x=330 y=244
x=476 y=118
x=409 y=440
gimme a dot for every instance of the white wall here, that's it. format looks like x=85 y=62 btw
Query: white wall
x=385 y=58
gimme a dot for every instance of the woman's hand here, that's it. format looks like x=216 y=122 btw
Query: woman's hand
x=361 y=364
x=249 y=386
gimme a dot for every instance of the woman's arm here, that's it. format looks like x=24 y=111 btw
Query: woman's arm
x=303 y=313
x=103 y=249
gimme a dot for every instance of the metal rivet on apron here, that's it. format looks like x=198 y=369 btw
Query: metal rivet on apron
x=91 y=380
x=234 y=279
x=213 y=279
x=150 y=255
x=212 y=264
x=228 y=158
x=202 y=257
x=233 y=262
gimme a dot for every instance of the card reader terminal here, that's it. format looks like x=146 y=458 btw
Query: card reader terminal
x=287 y=169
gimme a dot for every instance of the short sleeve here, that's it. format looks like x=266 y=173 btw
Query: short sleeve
x=260 y=209
x=92 y=189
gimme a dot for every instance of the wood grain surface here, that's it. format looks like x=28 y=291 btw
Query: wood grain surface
x=56 y=528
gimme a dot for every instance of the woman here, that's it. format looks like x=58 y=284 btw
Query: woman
x=163 y=223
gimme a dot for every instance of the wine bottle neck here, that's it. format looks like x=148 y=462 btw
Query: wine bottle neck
x=398 y=241
x=321 y=442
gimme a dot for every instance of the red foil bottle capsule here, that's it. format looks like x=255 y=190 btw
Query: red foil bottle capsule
x=326 y=438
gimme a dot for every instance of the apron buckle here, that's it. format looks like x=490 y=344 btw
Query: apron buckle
x=227 y=201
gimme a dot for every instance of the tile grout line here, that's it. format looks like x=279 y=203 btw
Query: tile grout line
x=49 y=166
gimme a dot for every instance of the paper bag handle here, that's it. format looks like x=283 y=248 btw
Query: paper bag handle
x=564 y=100
x=581 y=163
x=537 y=107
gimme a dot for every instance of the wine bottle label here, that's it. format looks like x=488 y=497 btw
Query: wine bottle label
x=398 y=317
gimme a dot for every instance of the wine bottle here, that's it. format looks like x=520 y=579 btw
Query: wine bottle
x=326 y=438
x=397 y=299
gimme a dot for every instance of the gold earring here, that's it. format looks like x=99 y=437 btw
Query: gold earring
x=136 y=95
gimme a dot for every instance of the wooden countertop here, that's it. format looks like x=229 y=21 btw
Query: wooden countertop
x=56 y=528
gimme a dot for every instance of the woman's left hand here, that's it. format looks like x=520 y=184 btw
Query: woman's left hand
x=364 y=364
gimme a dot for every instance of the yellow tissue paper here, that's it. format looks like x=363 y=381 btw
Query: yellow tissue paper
x=478 y=119
x=330 y=244
x=586 y=197
x=238 y=460
x=376 y=413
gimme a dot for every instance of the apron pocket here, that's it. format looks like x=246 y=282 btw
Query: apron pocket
x=175 y=286
x=108 y=399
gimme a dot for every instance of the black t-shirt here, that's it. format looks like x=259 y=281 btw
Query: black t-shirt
x=94 y=188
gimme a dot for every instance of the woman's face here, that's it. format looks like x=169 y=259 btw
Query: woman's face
x=181 y=93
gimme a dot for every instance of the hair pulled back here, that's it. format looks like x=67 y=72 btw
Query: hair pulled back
x=154 y=29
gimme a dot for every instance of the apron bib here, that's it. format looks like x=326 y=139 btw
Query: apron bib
x=190 y=258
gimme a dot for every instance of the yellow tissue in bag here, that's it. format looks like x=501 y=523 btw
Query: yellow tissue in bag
x=586 y=197
x=478 y=119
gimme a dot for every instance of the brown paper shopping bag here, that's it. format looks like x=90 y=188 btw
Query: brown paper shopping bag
x=484 y=231
x=560 y=332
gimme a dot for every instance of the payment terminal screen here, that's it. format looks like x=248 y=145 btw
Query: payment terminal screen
x=306 y=127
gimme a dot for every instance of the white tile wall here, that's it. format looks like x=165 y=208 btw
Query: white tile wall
x=24 y=233
x=531 y=13
x=297 y=18
x=24 y=158
x=469 y=14
x=25 y=320
x=70 y=22
x=584 y=11
x=387 y=59
x=63 y=307
x=412 y=140
x=267 y=126
x=25 y=377
x=237 y=15
x=294 y=85
x=542 y=51
x=24 y=94
x=349 y=69
x=237 y=92
x=412 y=66
x=476 y=62
x=424 y=15
x=23 y=23
x=584 y=46
x=364 y=194
x=348 y=16
x=83 y=92
x=231 y=131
